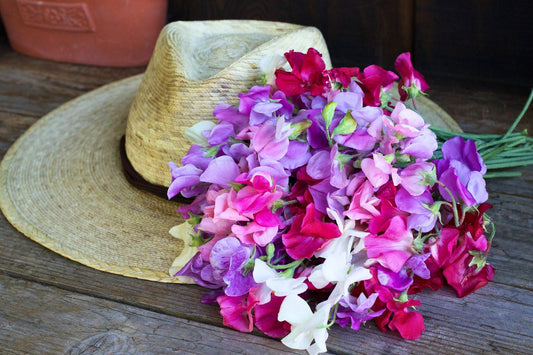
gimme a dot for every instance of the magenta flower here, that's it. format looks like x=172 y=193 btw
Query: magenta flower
x=373 y=78
x=308 y=234
x=392 y=248
x=237 y=312
x=410 y=77
x=307 y=74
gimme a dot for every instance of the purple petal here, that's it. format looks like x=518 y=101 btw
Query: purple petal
x=221 y=171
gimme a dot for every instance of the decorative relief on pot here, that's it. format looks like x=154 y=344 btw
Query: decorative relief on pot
x=56 y=15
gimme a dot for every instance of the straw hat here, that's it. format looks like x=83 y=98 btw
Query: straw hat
x=62 y=182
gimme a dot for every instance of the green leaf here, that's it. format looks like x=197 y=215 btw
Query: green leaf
x=347 y=125
x=299 y=128
x=328 y=112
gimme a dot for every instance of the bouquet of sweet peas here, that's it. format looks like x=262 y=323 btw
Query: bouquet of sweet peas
x=317 y=200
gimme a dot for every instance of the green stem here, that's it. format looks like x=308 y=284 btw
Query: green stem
x=501 y=174
x=509 y=164
x=524 y=110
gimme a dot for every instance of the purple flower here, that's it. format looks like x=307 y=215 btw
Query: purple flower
x=196 y=156
x=228 y=259
x=397 y=281
x=412 y=177
x=271 y=140
x=201 y=272
x=461 y=170
x=422 y=217
x=185 y=180
x=417 y=264
x=230 y=113
x=357 y=310
x=421 y=146
x=220 y=171
x=297 y=155
x=220 y=133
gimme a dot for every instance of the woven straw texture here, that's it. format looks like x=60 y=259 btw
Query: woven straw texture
x=61 y=183
x=197 y=64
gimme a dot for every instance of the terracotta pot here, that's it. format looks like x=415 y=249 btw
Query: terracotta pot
x=98 y=32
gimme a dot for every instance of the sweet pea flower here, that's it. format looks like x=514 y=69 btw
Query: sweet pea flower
x=228 y=259
x=377 y=170
x=411 y=81
x=271 y=140
x=307 y=74
x=221 y=171
x=197 y=133
x=413 y=177
x=306 y=326
x=461 y=170
x=356 y=310
x=308 y=234
x=272 y=282
x=374 y=78
x=185 y=180
x=392 y=248
x=363 y=204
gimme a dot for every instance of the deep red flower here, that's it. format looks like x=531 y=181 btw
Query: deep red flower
x=410 y=324
x=410 y=77
x=373 y=78
x=466 y=279
x=309 y=234
x=266 y=318
x=307 y=74
x=343 y=75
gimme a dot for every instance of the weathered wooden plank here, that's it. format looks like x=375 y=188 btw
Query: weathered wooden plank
x=44 y=319
x=33 y=87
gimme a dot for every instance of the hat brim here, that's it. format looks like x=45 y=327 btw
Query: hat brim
x=62 y=185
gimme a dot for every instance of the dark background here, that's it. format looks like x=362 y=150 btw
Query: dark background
x=486 y=41
x=482 y=41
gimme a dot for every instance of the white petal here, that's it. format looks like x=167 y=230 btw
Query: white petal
x=262 y=272
x=184 y=232
x=294 y=310
x=195 y=133
x=283 y=286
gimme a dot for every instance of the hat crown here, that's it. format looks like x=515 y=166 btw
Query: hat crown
x=195 y=66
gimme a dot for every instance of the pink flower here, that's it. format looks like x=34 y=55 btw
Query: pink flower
x=271 y=140
x=410 y=77
x=260 y=231
x=236 y=312
x=392 y=248
x=259 y=193
x=309 y=234
x=363 y=205
x=378 y=170
x=307 y=74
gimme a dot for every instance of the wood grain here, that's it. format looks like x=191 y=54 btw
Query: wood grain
x=43 y=319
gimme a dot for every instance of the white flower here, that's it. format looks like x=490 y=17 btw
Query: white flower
x=183 y=232
x=195 y=134
x=271 y=281
x=338 y=265
x=306 y=326
x=269 y=64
